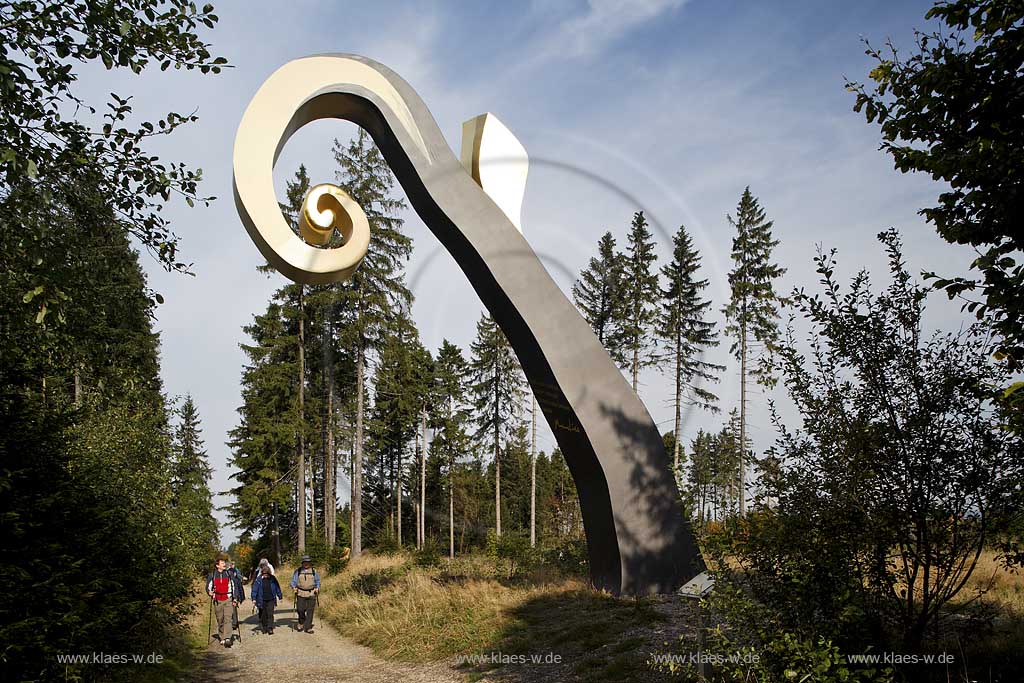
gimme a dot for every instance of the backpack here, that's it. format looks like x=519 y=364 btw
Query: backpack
x=306 y=582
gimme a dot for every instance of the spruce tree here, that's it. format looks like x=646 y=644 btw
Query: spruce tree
x=699 y=475
x=263 y=443
x=394 y=418
x=378 y=286
x=292 y=298
x=752 y=313
x=190 y=485
x=681 y=325
x=496 y=387
x=638 y=297
x=598 y=296
x=450 y=419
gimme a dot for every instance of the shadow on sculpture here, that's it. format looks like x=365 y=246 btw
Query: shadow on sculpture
x=638 y=539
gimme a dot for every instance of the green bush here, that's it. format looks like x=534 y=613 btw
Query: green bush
x=511 y=552
x=387 y=544
x=373 y=582
x=429 y=555
x=569 y=555
x=747 y=643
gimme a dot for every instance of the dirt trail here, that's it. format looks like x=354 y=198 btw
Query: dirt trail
x=323 y=656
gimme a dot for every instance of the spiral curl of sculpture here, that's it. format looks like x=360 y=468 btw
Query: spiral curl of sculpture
x=327 y=208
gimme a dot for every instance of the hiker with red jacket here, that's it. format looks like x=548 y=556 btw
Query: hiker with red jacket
x=226 y=591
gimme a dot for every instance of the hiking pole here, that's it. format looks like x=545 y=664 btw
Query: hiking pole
x=209 y=623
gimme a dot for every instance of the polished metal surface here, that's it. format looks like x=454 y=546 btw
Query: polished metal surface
x=637 y=536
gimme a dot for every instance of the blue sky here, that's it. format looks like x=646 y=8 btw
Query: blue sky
x=667 y=106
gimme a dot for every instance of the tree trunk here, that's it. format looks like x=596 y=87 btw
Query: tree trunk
x=743 y=419
x=679 y=412
x=276 y=539
x=416 y=503
x=397 y=475
x=301 y=472
x=533 y=475
x=497 y=475
x=636 y=364
x=423 y=478
x=451 y=518
x=357 y=461
x=330 y=467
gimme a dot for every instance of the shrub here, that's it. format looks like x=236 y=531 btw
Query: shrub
x=373 y=582
x=748 y=643
x=569 y=555
x=429 y=555
x=511 y=552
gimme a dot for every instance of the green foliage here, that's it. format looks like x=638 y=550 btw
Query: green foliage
x=263 y=444
x=496 y=390
x=748 y=644
x=87 y=510
x=429 y=555
x=681 y=325
x=953 y=109
x=324 y=557
x=511 y=552
x=599 y=295
x=104 y=515
x=192 y=501
x=900 y=471
x=752 y=312
x=568 y=555
x=639 y=295
x=709 y=480
x=373 y=582
x=45 y=146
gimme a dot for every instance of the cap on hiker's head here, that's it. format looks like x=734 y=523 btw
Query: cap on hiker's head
x=307 y=558
x=222 y=557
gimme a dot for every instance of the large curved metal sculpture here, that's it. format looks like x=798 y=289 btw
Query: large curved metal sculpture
x=638 y=540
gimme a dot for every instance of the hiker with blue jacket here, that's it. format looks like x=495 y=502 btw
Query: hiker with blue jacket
x=306 y=584
x=265 y=592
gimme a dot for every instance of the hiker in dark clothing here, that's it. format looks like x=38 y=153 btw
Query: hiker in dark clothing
x=266 y=591
x=306 y=584
x=236 y=576
x=226 y=592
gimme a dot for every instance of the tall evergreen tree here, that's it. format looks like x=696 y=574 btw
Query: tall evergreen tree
x=682 y=327
x=190 y=485
x=378 y=286
x=263 y=443
x=394 y=418
x=450 y=418
x=292 y=297
x=699 y=475
x=752 y=312
x=598 y=296
x=496 y=387
x=639 y=295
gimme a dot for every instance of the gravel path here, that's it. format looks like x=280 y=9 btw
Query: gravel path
x=323 y=656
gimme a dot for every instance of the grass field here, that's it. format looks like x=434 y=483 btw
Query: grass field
x=545 y=625
x=465 y=607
